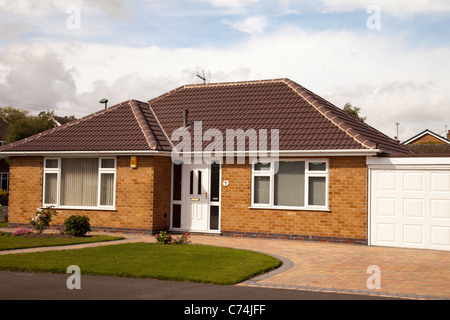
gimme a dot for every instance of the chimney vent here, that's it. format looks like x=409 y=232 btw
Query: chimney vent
x=185 y=118
x=448 y=134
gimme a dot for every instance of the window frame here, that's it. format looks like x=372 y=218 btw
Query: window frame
x=4 y=176
x=308 y=174
x=58 y=190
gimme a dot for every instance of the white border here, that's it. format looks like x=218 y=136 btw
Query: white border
x=270 y=173
x=58 y=192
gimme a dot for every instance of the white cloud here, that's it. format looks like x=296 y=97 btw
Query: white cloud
x=251 y=25
x=35 y=76
x=231 y=3
x=390 y=80
x=111 y=8
x=399 y=8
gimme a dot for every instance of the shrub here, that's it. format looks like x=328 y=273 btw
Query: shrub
x=163 y=238
x=22 y=232
x=42 y=219
x=184 y=239
x=77 y=225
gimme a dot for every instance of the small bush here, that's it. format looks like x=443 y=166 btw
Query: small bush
x=184 y=239
x=77 y=225
x=22 y=232
x=163 y=238
x=42 y=219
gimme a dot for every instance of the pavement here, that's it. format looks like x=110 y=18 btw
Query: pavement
x=331 y=268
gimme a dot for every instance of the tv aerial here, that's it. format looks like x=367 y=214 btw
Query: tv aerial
x=206 y=78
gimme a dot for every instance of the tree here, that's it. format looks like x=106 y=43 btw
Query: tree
x=21 y=124
x=354 y=112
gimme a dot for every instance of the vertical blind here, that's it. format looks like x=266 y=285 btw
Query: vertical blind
x=79 y=182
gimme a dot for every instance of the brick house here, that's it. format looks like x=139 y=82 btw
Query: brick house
x=117 y=165
x=428 y=143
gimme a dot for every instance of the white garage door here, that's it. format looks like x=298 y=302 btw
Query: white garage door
x=410 y=208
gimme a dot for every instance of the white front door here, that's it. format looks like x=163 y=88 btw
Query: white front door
x=194 y=197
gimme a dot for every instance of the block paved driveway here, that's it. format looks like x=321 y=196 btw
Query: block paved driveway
x=330 y=267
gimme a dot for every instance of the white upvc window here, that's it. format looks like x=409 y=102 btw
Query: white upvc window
x=290 y=184
x=79 y=182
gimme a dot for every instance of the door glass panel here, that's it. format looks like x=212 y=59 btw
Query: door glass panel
x=199 y=185
x=215 y=183
x=177 y=182
x=176 y=216
x=191 y=182
x=214 y=218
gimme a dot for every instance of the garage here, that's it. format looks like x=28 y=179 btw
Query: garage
x=409 y=202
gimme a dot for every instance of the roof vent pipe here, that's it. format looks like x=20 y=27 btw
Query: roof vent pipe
x=185 y=118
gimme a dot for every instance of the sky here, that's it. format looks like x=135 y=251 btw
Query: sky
x=390 y=58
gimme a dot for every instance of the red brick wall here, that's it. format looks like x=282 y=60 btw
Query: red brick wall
x=141 y=200
x=428 y=138
x=25 y=188
x=347 y=218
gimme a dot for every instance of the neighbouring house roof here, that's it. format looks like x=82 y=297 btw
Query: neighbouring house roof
x=306 y=122
x=430 y=149
x=434 y=136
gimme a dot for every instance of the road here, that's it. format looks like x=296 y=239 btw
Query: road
x=42 y=286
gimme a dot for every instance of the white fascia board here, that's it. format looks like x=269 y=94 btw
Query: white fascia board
x=289 y=153
x=409 y=163
x=425 y=133
x=83 y=153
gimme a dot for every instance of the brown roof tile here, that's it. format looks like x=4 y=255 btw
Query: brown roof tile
x=128 y=126
x=305 y=121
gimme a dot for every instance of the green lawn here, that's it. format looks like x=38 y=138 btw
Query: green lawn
x=195 y=263
x=8 y=242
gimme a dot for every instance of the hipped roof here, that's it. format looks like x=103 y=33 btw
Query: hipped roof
x=305 y=121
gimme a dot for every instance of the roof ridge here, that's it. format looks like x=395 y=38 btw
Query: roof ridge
x=342 y=125
x=143 y=124
x=233 y=83
x=159 y=125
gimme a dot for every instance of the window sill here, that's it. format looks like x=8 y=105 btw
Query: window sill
x=84 y=208
x=290 y=208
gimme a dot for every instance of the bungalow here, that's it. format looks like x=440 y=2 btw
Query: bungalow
x=258 y=158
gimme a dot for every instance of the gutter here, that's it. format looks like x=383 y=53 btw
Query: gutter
x=290 y=153
x=81 y=153
x=268 y=153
